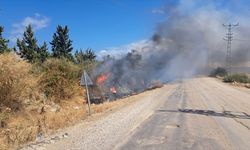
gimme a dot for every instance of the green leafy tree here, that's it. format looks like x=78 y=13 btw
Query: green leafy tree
x=28 y=48
x=3 y=42
x=61 y=44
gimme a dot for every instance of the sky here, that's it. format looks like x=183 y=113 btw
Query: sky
x=95 y=24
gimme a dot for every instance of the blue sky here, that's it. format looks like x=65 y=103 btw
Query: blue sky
x=97 y=24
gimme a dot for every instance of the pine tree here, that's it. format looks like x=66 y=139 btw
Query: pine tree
x=28 y=45
x=3 y=42
x=79 y=56
x=43 y=53
x=82 y=56
x=89 y=55
x=28 y=48
x=61 y=44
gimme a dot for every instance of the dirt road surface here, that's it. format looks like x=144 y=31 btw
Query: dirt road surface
x=195 y=114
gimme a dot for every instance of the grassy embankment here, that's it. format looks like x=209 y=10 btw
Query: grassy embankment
x=39 y=99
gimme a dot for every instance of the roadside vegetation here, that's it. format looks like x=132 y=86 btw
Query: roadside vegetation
x=39 y=88
x=218 y=72
x=238 y=79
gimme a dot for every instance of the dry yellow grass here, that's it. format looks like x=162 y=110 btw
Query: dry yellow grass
x=59 y=79
x=16 y=83
x=25 y=126
x=25 y=112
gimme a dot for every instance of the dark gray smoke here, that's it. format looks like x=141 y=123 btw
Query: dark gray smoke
x=189 y=42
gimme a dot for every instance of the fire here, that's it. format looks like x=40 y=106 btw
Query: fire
x=113 y=90
x=102 y=78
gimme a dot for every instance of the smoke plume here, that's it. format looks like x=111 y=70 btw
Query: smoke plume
x=188 y=42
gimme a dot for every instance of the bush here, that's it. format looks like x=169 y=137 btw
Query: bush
x=16 y=82
x=59 y=79
x=241 y=78
x=218 y=72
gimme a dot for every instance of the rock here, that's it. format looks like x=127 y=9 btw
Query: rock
x=65 y=135
x=55 y=108
x=247 y=85
x=41 y=110
x=39 y=137
x=76 y=108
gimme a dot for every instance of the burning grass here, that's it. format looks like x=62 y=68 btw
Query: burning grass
x=38 y=99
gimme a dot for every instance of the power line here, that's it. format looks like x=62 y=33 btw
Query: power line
x=242 y=40
x=229 y=39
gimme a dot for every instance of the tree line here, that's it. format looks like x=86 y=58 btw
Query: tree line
x=61 y=47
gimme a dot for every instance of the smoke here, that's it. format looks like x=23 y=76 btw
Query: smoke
x=190 y=40
x=187 y=43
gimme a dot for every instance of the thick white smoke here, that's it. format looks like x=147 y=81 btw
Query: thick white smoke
x=191 y=39
x=189 y=42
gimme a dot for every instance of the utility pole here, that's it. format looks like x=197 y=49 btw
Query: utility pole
x=229 y=39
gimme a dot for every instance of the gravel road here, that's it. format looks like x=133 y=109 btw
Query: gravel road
x=200 y=113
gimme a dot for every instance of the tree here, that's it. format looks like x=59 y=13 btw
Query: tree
x=89 y=55
x=82 y=56
x=79 y=56
x=107 y=58
x=43 y=53
x=28 y=45
x=28 y=48
x=61 y=44
x=3 y=42
x=134 y=59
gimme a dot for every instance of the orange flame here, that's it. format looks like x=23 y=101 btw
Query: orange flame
x=102 y=78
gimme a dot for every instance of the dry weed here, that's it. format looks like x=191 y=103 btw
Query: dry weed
x=16 y=82
x=59 y=79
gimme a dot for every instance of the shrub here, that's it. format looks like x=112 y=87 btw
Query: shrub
x=241 y=78
x=218 y=72
x=59 y=79
x=16 y=82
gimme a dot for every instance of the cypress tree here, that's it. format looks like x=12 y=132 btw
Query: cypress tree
x=89 y=55
x=28 y=48
x=28 y=45
x=61 y=44
x=79 y=56
x=43 y=53
x=3 y=42
x=82 y=56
